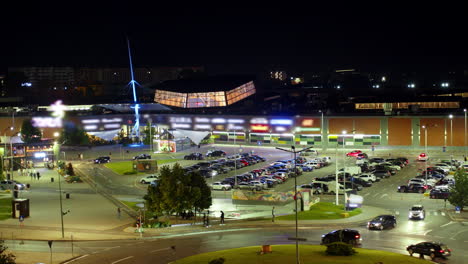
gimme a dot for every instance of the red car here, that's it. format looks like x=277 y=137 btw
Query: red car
x=353 y=153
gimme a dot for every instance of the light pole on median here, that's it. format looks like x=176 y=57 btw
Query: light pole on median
x=464 y=110
x=451 y=130
x=425 y=149
x=344 y=169
x=293 y=151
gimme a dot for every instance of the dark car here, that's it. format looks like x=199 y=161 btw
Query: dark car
x=361 y=182
x=431 y=249
x=194 y=156
x=352 y=185
x=362 y=156
x=381 y=173
x=439 y=194
x=104 y=159
x=216 y=153
x=381 y=222
x=412 y=188
x=349 y=236
x=403 y=159
x=142 y=156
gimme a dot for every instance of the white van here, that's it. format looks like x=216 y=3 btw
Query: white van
x=330 y=187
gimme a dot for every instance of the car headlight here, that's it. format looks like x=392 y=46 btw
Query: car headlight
x=377 y=224
x=409 y=214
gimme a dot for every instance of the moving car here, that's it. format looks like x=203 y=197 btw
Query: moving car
x=422 y=157
x=104 y=159
x=381 y=222
x=349 y=236
x=194 y=156
x=10 y=185
x=149 y=179
x=215 y=153
x=431 y=249
x=412 y=188
x=220 y=186
x=417 y=212
x=142 y=156
x=353 y=153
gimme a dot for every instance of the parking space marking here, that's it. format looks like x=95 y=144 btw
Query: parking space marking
x=428 y=231
x=120 y=260
x=449 y=223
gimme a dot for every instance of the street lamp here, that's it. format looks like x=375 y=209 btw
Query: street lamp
x=425 y=148
x=344 y=132
x=464 y=110
x=321 y=129
x=293 y=151
x=451 y=129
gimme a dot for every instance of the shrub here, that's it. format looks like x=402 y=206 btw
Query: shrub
x=217 y=261
x=340 y=249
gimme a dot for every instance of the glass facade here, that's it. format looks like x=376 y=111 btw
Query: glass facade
x=205 y=99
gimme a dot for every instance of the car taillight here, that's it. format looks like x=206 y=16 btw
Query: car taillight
x=425 y=186
x=356 y=236
x=449 y=250
x=441 y=251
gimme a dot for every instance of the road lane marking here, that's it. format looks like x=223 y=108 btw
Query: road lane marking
x=160 y=249
x=366 y=194
x=110 y=248
x=453 y=237
x=120 y=260
x=383 y=195
x=449 y=223
x=425 y=233
x=86 y=256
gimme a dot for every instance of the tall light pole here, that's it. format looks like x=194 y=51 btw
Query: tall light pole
x=336 y=174
x=321 y=129
x=464 y=110
x=344 y=170
x=451 y=130
x=425 y=149
x=293 y=151
x=235 y=161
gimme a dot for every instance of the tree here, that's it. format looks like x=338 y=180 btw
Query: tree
x=29 y=133
x=73 y=135
x=177 y=191
x=459 y=191
x=6 y=258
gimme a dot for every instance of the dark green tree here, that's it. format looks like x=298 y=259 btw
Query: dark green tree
x=459 y=191
x=29 y=133
x=6 y=258
x=177 y=192
x=73 y=135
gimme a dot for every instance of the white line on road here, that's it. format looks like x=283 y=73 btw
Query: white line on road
x=366 y=194
x=449 y=223
x=425 y=233
x=453 y=237
x=120 y=260
x=161 y=249
x=111 y=248
x=81 y=258
x=383 y=195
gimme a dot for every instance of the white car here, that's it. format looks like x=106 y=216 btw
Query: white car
x=148 y=179
x=312 y=164
x=368 y=177
x=258 y=183
x=220 y=186
x=423 y=157
x=390 y=165
x=446 y=168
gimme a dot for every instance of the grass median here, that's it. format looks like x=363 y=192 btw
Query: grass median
x=320 y=211
x=126 y=167
x=5 y=208
x=308 y=254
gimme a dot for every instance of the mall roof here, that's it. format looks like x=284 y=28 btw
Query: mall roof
x=206 y=84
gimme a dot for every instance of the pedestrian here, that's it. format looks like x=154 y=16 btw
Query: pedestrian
x=110 y=153
x=273 y=214
x=34 y=175
x=222 y=217
x=31 y=175
x=38 y=175
x=204 y=219
x=464 y=157
x=118 y=212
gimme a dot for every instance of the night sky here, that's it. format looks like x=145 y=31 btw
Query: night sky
x=239 y=39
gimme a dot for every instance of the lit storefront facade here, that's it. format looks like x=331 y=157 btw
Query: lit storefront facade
x=362 y=131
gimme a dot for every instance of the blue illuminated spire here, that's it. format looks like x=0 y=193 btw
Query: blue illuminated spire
x=136 y=127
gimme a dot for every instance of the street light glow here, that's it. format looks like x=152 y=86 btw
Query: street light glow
x=344 y=132
x=450 y=116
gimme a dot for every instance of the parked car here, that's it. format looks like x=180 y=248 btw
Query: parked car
x=311 y=187
x=423 y=157
x=382 y=173
x=417 y=212
x=142 y=156
x=360 y=181
x=220 y=186
x=349 y=236
x=248 y=186
x=431 y=249
x=439 y=193
x=309 y=152
x=148 y=179
x=104 y=159
x=412 y=188
x=362 y=156
x=367 y=177
x=381 y=222
x=353 y=153
x=194 y=156
x=215 y=153
x=11 y=184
